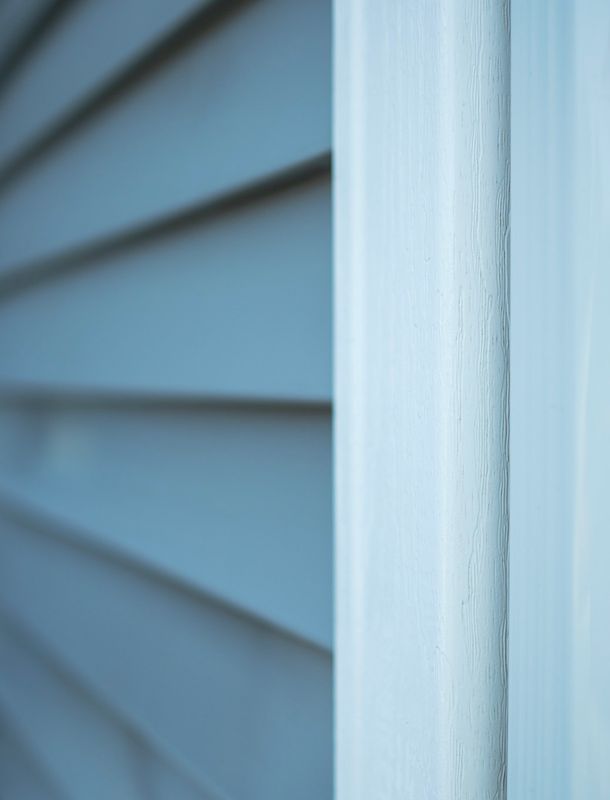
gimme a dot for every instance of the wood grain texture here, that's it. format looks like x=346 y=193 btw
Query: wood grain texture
x=421 y=142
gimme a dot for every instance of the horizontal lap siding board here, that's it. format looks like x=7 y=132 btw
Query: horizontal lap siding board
x=258 y=280
x=166 y=403
x=232 y=501
x=248 y=98
x=19 y=22
x=22 y=775
x=118 y=35
x=59 y=718
x=246 y=706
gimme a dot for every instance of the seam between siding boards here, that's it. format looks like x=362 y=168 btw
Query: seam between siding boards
x=116 y=398
x=19 y=276
x=121 y=80
x=19 y=48
x=16 y=735
x=24 y=511
x=43 y=650
x=24 y=742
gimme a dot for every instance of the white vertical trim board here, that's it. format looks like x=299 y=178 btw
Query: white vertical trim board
x=421 y=379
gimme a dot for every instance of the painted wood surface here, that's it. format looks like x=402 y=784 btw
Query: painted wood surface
x=421 y=182
x=542 y=409
x=559 y=714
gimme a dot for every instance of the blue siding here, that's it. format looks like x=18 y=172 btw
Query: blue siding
x=232 y=500
x=22 y=775
x=248 y=98
x=58 y=717
x=233 y=305
x=247 y=706
x=21 y=22
x=165 y=401
x=118 y=36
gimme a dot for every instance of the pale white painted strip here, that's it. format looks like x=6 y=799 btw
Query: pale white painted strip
x=559 y=715
x=591 y=273
x=542 y=412
x=421 y=125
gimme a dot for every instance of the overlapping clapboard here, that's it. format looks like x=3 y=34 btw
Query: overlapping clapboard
x=165 y=400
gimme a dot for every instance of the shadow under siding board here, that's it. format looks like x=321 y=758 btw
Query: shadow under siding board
x=90 y=46
x=237 y=304
x=236 y=502
x=251 y=97
x=22 y=22
x=77 y=739
x=247 y=708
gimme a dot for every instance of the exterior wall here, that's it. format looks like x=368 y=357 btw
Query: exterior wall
x=165 y=401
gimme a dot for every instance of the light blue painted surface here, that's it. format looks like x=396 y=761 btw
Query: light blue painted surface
x=245 y=292
x=236 y=501
x=219 y=113
x=117 y=33
x=542 y=415
x=559 y=712
x=22 y=776
x=421 y=200
x=165 y=407
x=17 y=19
x=247 y=707
x=58 y=718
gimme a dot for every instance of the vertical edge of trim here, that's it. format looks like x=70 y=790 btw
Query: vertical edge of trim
x=421 y=204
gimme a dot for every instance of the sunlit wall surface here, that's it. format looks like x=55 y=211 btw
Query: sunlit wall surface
x=165 y=400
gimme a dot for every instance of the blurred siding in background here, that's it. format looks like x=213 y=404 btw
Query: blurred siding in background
x=165 y=400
